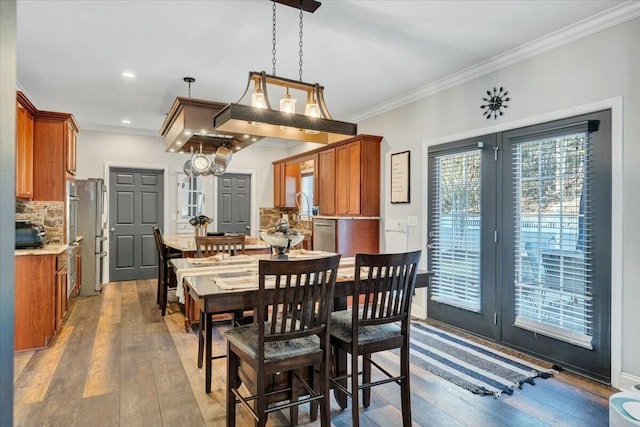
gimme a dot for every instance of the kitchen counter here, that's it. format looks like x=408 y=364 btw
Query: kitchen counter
x=187 y=243
x=45 y=250
x=345 y=217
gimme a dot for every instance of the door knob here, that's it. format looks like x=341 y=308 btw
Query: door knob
x=112 y=229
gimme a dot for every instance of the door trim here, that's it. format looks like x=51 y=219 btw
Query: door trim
x=165 y=208
x=617 y=236
x=254 y=218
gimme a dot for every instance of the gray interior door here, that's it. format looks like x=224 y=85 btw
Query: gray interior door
x=234 y=203
x=136 y=203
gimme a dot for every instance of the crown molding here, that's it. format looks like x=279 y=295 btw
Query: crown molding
x=594 y=24
x=95 y=127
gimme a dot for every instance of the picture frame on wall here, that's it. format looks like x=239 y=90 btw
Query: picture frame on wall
x=400 y=177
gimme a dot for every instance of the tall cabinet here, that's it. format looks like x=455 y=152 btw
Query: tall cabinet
x=54 y=159
x=25 y=112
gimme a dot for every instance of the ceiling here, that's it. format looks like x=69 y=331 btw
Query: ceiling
x=71 y=53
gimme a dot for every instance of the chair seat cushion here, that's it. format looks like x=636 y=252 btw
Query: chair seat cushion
x=246 y=338
x=341 y=329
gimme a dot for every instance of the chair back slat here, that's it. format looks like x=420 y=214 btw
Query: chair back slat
x=211 y=245
x=387 y=286
x=157 y=236
x=301 y=299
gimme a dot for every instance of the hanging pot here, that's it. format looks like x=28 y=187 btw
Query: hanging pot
x=223 y=157
x=218 y=170
x=187 y=169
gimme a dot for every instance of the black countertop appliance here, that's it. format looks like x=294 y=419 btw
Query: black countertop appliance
x=29 y=236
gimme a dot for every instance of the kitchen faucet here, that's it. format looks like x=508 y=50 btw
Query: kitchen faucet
x=306 y=197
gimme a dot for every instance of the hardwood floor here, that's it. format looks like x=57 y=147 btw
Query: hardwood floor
x=117 y=362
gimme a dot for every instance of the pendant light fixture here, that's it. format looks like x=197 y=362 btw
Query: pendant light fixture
x=258 y=119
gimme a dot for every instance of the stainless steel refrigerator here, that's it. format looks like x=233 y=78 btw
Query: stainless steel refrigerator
x=91 y=194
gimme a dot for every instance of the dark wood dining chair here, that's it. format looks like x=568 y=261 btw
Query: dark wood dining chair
x=209 y=246
x=290 y=336
x=386 y=283
x=166 y=276
x=212 y=245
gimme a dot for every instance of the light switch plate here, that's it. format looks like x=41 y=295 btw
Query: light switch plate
x=412 y=221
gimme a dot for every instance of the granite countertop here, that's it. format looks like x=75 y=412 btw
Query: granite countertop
x=345 y=217
x=54 y=249
x=187 y=243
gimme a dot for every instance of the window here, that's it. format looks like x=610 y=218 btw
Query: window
x=551 y=208
x=190 y=199
x=307 y=187
x=455 y=236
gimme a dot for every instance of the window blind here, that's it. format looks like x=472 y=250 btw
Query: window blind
x=455 y=235
x=308 y=187
x=552 y=242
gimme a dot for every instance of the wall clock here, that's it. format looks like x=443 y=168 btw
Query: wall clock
x=495 y=102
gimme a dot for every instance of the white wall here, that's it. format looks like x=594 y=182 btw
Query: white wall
x=592 y=70
x=95 y=149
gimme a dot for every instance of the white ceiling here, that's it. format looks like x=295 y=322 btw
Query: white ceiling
x=71 y=53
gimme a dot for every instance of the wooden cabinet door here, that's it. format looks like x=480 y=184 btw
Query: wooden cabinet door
x=24 y=153
x=291 y=184
x=286 y=182
x=327 y=182
x=348 y=177
x=354 y=179
x=278 y=178
x=71 y=145
x=61 y=294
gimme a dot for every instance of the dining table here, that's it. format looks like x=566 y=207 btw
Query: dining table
x=225 y=284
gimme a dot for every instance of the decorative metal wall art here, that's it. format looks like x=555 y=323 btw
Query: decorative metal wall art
x=495 y=102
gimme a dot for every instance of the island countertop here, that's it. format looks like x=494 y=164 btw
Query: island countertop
x=187 y=243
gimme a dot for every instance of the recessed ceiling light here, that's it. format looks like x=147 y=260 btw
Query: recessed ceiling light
x=172 y=150
x=187 y=132
x=128 y=74
x=126 y=121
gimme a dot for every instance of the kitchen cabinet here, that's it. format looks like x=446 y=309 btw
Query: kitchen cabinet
x=60 y=289
x=54 y=147
x=286 y=184
x=358 y=174
x=24 y=147
x=353 y=166
x=36 y=283
x=72 y=145
x=327 y=182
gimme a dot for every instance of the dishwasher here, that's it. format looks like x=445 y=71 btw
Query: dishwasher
x=324 y=234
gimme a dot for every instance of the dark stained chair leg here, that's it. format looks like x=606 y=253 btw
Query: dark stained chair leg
x=405 y=386
x=355 y=417
x=232 y=383
x=315 y=383
x=201 y=339
x=366 y=379
x=293 y=411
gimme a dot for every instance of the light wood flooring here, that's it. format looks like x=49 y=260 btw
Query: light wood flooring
x=117 y=362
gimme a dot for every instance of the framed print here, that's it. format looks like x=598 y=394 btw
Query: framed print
x=400 y=171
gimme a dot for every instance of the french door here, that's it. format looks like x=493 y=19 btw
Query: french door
x=521 y=247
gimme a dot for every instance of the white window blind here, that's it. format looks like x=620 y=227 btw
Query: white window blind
x=455 y=236
x=552 y=237
x=307 y=183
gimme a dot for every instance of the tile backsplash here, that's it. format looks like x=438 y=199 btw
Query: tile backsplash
x=49 y=214
x=269 y=216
